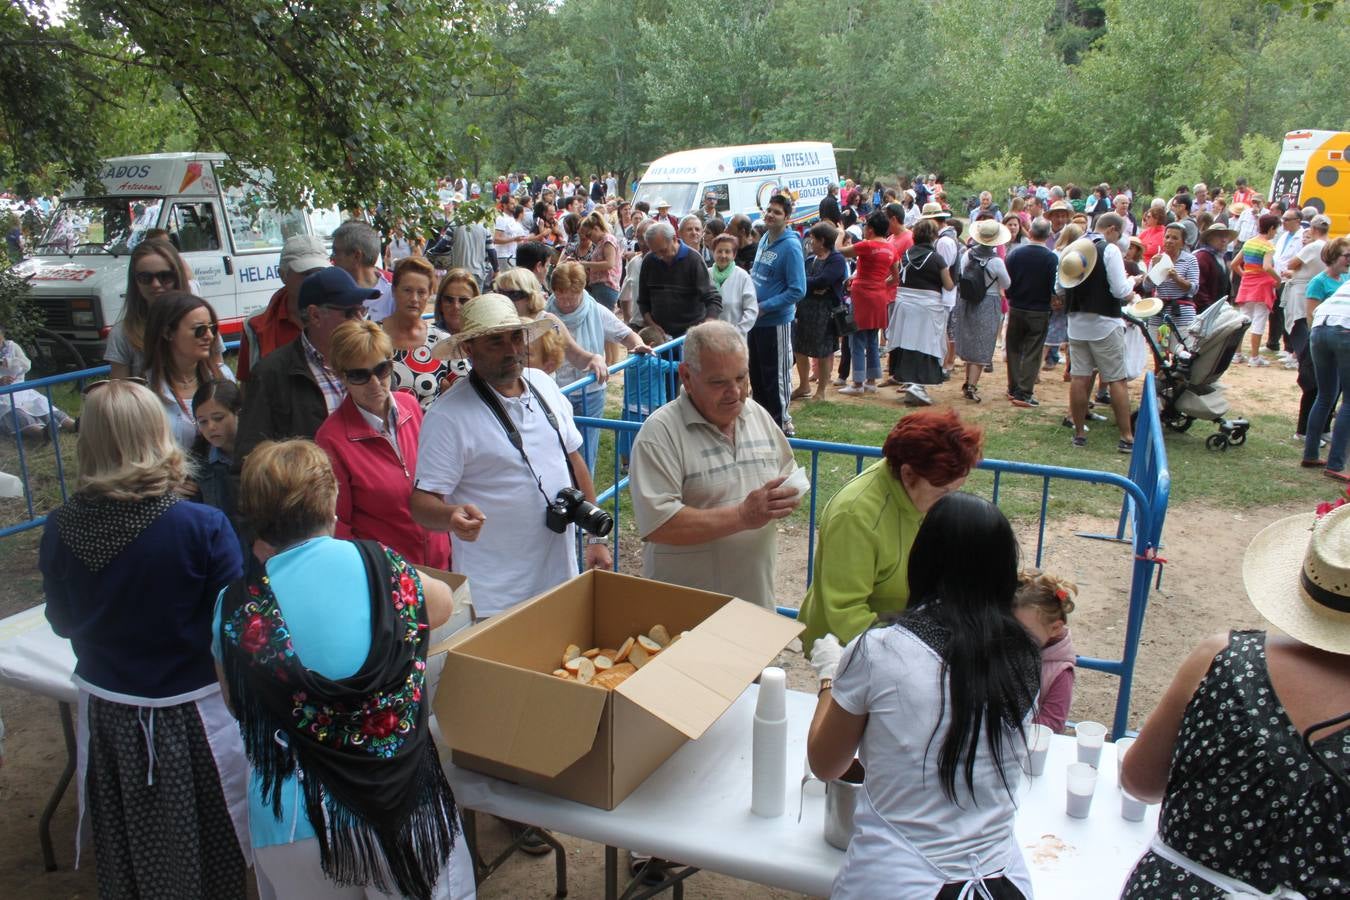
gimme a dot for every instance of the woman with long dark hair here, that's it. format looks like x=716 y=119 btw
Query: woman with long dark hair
x=182 y=352
x=940 y=697
x=154 y=270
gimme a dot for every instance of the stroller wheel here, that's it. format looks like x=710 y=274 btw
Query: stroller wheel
x=1216 y=442
x=1180 y=422
x=1238 y=437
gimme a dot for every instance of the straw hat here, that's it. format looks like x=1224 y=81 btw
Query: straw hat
x=1236 y=209
x=1077 y=263
x=1060 y=206
x=484 y=315
x=1144 y=309
x=934 y=211
x=1297 y=575
x=661 y=203
x=1216 y=228
x=989 y=233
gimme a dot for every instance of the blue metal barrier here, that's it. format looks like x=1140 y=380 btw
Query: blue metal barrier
x=1145 y=493
x=44 y=386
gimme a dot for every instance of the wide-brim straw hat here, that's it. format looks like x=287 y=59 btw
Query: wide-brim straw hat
x=934 y=211
x=1144 y=309
x=1060 y=206
x=989 y=233
x=1297 y=575
x=1216 y=228
x=1077 y=263
x=484 y=315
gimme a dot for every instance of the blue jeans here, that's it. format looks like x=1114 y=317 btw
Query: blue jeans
x=603 y=294
x=1330 y=345
x=592 y=404
x=866 y=354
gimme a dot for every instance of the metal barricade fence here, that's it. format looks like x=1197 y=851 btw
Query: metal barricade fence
x=1144 y=491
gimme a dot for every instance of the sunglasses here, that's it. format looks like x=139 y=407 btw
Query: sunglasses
x=348 y=312
x=363 y=376
x=95 y=385
x=458 y=301
x=167 y=277
x=201 y=331
x=516 y=295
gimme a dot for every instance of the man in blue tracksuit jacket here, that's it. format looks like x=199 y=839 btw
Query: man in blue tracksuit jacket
x=779 y=274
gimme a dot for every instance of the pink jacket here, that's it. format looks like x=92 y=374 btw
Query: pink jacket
x=1057 y=662
x=374 y=485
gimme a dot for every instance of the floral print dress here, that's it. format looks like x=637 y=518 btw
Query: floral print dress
x=1244 y=797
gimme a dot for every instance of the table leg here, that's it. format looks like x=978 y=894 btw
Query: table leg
x=482 y=870
x=611 y=873
x=45 y=823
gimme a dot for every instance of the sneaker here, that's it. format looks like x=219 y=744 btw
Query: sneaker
x=1239 y=359
x=852 y=390
x=1313 y=463
x=1291 y=363
x=1103 y=397
x=1124 y=446
x=1079 y=441
x=869 y=388
x=1094 y=417
x=1030 y=400
x=1283 y=355
x=1019 y=401
x=917 y=396
x=839 y=382
x=1258 y=362
x=1068 y=423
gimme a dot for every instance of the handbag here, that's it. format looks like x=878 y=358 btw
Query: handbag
x=841 y=319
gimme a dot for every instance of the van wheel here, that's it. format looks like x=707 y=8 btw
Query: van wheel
x=53 y=355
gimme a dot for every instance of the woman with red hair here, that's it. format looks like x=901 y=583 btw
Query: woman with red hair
x=866 y=530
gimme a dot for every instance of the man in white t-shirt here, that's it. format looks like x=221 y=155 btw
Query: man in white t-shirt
x=508 y=232
x=471 y=480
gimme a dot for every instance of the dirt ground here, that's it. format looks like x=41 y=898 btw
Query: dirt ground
x=1201 y=593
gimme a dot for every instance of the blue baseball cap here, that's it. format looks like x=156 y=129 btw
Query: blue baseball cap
x=333 y=287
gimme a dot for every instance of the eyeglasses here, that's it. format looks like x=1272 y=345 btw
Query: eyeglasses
x=348 y=312
x=201 y=331
x=95 y=385
x=362 y=376
x=168 y=278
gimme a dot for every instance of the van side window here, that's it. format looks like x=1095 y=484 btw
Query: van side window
x=723 y=196
x=193 y=227
x=256 y=226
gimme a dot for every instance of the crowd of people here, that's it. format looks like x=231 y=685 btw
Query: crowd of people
x=274 y=711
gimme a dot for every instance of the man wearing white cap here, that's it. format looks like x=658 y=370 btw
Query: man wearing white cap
x=1092 y=274
x=490 y=493
x=280 y=322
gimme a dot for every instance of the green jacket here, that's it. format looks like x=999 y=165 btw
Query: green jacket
x=862 y=557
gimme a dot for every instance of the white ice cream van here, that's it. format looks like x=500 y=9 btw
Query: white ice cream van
x=743 y=178
x=229 y=237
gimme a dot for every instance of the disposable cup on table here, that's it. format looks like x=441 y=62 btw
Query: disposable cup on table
x=1038 y=747
x=1121 y=746
x=1091 y=735
x=1131 y=809
x=1080 y=783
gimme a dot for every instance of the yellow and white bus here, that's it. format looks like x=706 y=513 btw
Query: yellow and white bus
x=1314 y=170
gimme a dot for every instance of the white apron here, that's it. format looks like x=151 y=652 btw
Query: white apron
x=881 y=862
x=222 y=735
x=918 y=321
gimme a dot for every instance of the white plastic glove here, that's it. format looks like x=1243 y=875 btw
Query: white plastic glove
x=825 y=654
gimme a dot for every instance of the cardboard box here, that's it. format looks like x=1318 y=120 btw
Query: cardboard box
x=509 y=717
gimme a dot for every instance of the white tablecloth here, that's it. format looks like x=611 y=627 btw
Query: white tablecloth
x=696 y=807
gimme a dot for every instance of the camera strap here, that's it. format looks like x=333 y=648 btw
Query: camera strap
x=493 y=403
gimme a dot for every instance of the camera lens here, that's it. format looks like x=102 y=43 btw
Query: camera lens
x=592 y=519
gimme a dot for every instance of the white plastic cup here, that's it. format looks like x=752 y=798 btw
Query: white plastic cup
x=1131 y=809
x=1038 y=747
x=1081 y=782
x=1121 y=746
x=1091 y=736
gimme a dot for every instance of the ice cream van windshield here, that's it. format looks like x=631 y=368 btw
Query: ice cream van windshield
x=84 y=226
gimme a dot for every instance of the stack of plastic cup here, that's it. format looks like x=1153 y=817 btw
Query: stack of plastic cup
x=1121 y=746
x=1081 y=782
x=1091 y=736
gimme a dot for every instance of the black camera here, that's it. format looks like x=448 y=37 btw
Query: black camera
x=571 y=507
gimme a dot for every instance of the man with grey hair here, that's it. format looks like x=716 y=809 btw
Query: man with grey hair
x=986 y=208
x=1031 y=266
x=707 y=476
x=280 y=323
x=356 y=250
x=675 y=292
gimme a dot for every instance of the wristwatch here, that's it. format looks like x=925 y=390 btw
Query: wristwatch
x=825 y=685
x=592 y=539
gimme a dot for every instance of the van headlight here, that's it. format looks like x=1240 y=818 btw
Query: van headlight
x=82 y=314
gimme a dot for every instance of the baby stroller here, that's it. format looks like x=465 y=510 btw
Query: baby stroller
x=1188 y=379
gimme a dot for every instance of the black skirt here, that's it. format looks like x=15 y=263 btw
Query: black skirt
x=813 y=331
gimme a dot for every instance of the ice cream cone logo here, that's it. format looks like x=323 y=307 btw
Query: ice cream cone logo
x=194 y=171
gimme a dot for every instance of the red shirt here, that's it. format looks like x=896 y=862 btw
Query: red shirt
x=870 y=291
x=374 y=485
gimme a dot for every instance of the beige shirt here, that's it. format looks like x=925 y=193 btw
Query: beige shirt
x=681 y=459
